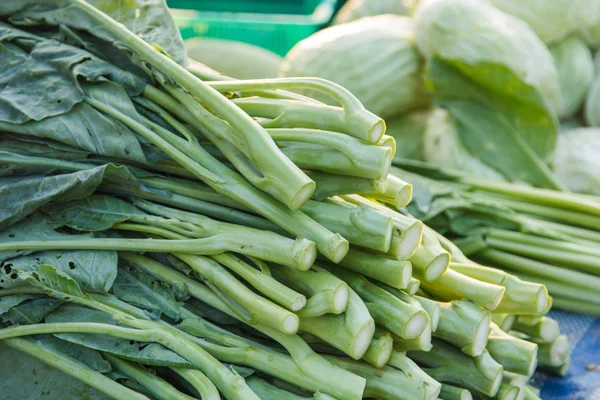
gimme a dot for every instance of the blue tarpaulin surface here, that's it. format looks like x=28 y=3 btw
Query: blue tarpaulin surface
x=583 y=381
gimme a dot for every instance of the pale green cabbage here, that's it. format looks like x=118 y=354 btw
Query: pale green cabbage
x=235 y=59
x=575 y=67
x=408 y=130
x=474 y=33
x=443 y=147
x=553 y=20
x=591 y=35
x=576 y=160
x=356 y=9
x=374 y=57
x=591 y=110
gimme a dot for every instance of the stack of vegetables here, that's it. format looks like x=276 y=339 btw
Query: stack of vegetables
x=488 y=105
x=170 y=233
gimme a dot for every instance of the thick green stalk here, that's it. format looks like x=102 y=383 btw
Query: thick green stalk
x=314 y=372
x=360 y=225
x=447 y=364
x=261 y=280
x=359 y=159
x=200 y=382
x=299 y=114
x=407 y=234
x=257 y=142
x=450 y=392
x=266 y=391
x=206 y=73
x=333 y=246
x=430 y=260
x=350 y=332
x=155 y=385
x=293 y=189
x=565 y=289
x=395 y=273
x=430 y=387
x=252 y=308
x=355 y=114
x=326 y=293
x=413 y=286
x=397 y=192
x=329 y=185
x=423 y=342
x=532 y=393
x=515 y=354
x=380 y=349
x=401 y=318
x=525 y=265
x=554 y=354
x=577 y=256
x=504 y=321
x=454 y=285
x=388 y=383
x=554 y=198
x=465 y=325
x=544 y=329
x=433 y=309
x=89 y=377
x=520 y=297
x=269 y=246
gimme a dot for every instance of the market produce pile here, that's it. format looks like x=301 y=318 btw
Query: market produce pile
x=489 y=108
x=168 y=232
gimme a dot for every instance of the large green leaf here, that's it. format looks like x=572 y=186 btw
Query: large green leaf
x=20 y=196
x=149 y=19
x=93 y=213
x=8 y=302
x=142 y=290
x=145 y=353
x=94 y=271
x=88 y=357
x=32 y=227
x=27 y=378
x=31 y=311
x=493 y=125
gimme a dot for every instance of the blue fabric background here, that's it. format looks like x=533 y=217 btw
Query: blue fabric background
x=583 y=381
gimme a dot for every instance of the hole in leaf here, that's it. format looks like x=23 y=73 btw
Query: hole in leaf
x=7 y=269
x=71 y=265
x=14 y=275
x=11 y=235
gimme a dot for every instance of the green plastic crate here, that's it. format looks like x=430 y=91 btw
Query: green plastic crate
x=276 y=25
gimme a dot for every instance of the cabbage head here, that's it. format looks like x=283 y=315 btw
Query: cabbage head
x=553 y=20
x=408 y=130
x=374 y=57
x=576 y=161
x=497 y=80
x=442 y=147
x=356 y=9
x=591 y=35
x=575 y=67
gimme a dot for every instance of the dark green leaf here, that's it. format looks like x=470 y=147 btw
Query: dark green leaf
x=31 y=311
x=93 y=213
x=144 y=353
x=510 y=118
x=54 y=282
x=87 y=357
x=142 y=290
x=26 y=378
x=94 y=271
x=8 y=302
x=149 y=19
x=32 y=227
